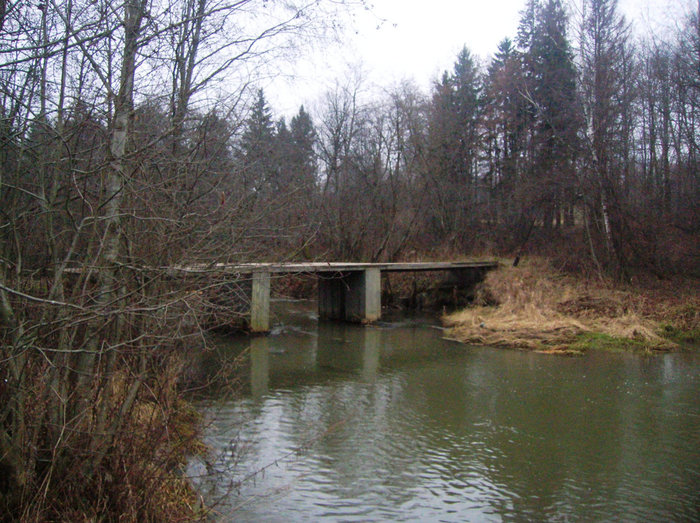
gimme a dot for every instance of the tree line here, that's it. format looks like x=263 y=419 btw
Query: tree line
x=575 y=133
x=134 y=143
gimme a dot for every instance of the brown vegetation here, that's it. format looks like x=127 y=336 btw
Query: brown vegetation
x=535 y=306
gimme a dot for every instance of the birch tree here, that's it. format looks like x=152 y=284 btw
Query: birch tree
x=605 y=59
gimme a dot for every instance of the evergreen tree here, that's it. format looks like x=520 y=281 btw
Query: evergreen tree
x=504 y=121
x=550 y=89
x=296 y=162
x=440 y=177
x=467 y=88
x=257 y=148
x=303 y=135
x=284 y=151
x=454 y=144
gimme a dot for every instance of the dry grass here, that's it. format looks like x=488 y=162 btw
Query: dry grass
x=536 y=307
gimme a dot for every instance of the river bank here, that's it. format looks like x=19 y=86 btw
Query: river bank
x=537 y=307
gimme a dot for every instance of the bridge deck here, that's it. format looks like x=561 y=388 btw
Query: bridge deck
x=333 y=267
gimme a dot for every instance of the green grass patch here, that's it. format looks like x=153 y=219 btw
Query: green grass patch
x=681 y=336
x=598 y=341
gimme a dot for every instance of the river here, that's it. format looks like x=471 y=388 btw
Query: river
x=394 y=422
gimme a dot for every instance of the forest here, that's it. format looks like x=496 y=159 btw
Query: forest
x=134 y=139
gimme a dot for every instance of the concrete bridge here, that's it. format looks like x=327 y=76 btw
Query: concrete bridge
x=346 y=291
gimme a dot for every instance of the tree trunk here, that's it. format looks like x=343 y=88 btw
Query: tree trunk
x=114 y=188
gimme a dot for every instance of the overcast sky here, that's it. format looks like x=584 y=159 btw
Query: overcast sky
x=418 y=39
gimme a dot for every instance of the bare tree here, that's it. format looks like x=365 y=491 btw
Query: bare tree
x=604 y=55
x=116 y=181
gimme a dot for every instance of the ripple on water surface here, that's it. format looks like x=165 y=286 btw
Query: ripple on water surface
x=455 y=433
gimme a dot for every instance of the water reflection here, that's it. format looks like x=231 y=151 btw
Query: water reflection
x=394 y=423
x=326 y=349
x=259 y=367
x=333 y=350
x=349 y=350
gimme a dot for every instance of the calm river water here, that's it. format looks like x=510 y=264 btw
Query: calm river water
x=393 y=422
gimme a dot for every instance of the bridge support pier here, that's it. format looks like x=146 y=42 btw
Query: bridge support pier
x=349 y=292
x=260 y=302
x=353 y=296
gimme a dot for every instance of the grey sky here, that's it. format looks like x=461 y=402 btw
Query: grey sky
x=418 y=39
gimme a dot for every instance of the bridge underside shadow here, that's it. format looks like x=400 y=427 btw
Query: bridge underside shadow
x=353 y=292
x=353 y=296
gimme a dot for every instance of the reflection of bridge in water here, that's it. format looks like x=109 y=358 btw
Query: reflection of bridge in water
x=332 y=349
x=337 y=347
x=346 y=291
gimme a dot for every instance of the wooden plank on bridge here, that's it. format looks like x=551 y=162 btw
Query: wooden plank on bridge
x=331 y=267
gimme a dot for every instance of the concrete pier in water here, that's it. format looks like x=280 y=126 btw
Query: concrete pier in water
x=351 y=296
x=346 y=291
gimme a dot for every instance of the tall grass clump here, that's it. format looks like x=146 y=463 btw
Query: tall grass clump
x=538 y=307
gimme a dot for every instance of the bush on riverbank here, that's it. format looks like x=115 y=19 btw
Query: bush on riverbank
x=72 y=470
x=537 y=307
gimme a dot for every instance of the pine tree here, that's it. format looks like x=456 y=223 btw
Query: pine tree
x=284 y=151
x=505 y=120
x=440 y=177
x=303 y=135
x=257 y=148
x=550 y=89
x=467 y=87
x=296 y=160
x=454 y=139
